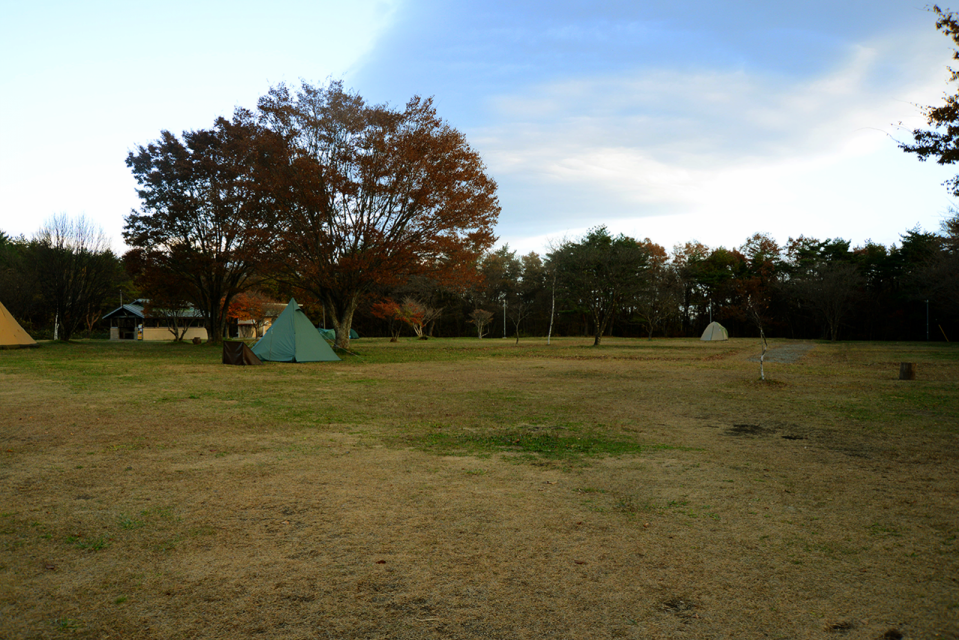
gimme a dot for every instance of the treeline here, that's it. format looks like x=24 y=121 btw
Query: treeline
x=60 y=282
x=603 y=285
x=598 y=285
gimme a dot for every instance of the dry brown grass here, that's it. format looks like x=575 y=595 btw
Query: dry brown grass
x=147 y=491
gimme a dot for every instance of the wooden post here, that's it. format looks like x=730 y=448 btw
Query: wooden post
x=907 y=370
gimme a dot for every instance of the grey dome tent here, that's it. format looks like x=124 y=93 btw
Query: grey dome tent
x=293 y=338
x=715 y=331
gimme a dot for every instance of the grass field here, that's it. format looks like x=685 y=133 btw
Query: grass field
x=477 y=489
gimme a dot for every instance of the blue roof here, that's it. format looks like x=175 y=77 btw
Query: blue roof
x=135 y=309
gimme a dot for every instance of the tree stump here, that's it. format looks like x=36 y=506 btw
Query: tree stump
x=907 y=370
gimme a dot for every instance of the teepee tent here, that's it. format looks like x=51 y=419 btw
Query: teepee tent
x=12 y=335
x=293 y=338
x=715 y=331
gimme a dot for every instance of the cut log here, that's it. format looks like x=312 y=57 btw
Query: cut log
x=907 y=370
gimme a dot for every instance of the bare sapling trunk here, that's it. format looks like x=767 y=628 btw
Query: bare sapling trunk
x=92 y=318
x=178 y=327
x=481 y=318
x=757 y=318
x=762 y=356
x=552 y=310
x=520 y=311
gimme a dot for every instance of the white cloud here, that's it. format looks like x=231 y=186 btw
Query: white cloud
x=679 y=150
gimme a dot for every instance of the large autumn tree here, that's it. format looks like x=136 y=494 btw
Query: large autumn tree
x=374 y=195
x=208 y=202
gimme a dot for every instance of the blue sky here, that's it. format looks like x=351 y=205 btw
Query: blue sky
x=674 y=121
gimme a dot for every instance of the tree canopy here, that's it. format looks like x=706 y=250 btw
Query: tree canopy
x=942 y=141
x=600 y=273
x=208 y=204
x=373 y=196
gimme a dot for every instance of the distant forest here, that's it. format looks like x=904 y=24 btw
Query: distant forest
x=599 y=285
x=807 y=289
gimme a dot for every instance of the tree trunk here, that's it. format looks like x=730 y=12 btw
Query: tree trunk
x=214 y=326
x=342 y=316
x=600 y=321
x=833 y=330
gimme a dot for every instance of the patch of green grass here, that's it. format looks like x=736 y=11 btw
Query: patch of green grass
x=92 y=544
x=532 y=445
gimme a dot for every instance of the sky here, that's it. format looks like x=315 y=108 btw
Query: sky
x=702 y=120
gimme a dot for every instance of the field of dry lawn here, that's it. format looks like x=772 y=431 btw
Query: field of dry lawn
x=477 y=489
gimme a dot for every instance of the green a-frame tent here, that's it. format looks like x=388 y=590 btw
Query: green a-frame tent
x=293 y=338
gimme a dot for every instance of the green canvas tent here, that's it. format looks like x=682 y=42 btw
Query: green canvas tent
x=293 y=338
x=330 y=334
x=715 y=331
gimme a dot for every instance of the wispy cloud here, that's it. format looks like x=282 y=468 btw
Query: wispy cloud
x=661 y=143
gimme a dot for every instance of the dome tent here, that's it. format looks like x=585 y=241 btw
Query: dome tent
x=715 y=331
